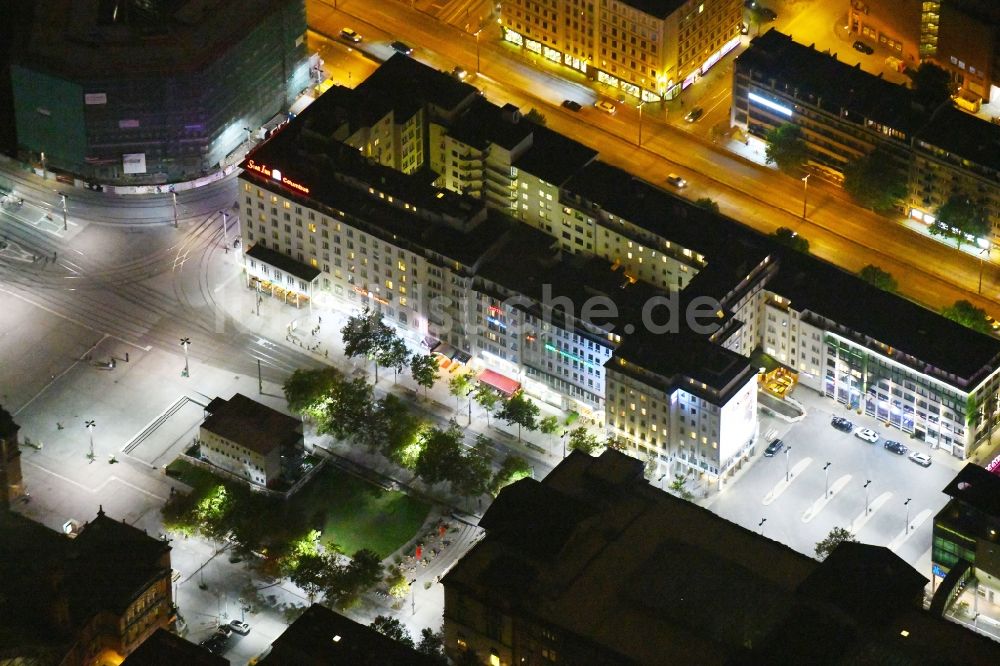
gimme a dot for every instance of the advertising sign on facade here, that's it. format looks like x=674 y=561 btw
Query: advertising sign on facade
x=134 y=163
x=95 y=98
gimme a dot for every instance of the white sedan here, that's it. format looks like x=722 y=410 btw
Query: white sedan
x=867 y=434
x=921 y=459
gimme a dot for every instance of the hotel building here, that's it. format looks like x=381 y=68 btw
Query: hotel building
x=649 y=49
x=492 y=234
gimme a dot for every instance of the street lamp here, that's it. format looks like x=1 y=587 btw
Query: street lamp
x=89 y=425
x=413 y=596
x=468 y=395
x=66 y=228
x=787 y=451
x=565 y=432
x=867 y=483
x=640 y=122
x=761 y=524
x=477 y=49
x=185 y=343
x=805 y=193
x=982 y=261
x=44 y=173
x=907 y=505
x=826 y=488
x=225 y=232
x=174 y=196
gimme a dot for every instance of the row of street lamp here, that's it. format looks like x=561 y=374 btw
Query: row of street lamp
x=826 y=492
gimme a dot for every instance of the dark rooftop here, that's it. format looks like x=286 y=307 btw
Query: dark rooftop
x=646 y=577
x=657 y=8
x=401 y=81
x=164 y=648
x=322 y=637
x=83 y=39
x=824 y=81
x=284 y=262
x=965 y=136
x=977 y=488
x=8 y=429
x=251 y=424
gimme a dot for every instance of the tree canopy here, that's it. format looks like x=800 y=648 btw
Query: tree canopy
x=307 y=390
x=791 y=238
x=874 y=275
x=875 y=181
x=581 y=439
x=536 y=116
x=967 y=314
x=959 y=218
x=932 y=85
x=786 y=148
x=837 y=536
x=366 y=335
x=424 y=369
x=520 y=410
x=392 y=628
x=513 y=468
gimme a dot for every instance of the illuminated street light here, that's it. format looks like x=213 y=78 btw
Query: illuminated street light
x=805 y=193
x=89 y=425
x=867 y=483
x=907 y=505
x=413 y=596
x=826 y=488
x=185 y=343
x=66 y=226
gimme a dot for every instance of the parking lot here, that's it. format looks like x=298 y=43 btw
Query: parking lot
x=795 y=513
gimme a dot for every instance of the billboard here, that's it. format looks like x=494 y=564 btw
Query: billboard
x=134 y=163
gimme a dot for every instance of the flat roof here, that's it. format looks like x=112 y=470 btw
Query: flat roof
x=964 y=136
x=657 y=8
x=164 y=648
x=977 y=488
x=251 y=424
x=96 y=39
x=283 y=261
x=826 y=82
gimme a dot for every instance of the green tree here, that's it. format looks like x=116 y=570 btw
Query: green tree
x=708 y=204
x=581 y=439
x=875 y=181
x=393 y=355
x=678 y=487
x=874 y=275
x=307 y=390
x=535 y=116
x=346 y=582
x=402 y=429
x=786 y=148
x=549 y=425
x=932 y=86
x=791 y=239
x=349 y=404
x=432 y=645
x=311 y=572
x=487 y=398
x=368 y=336
x=513 y=468
x=461 y=386
x=960 y=217
x=837 y=536
x=521 y=410
x=440 y=458
x=424 y=368
x=967 y=314
x=392 y=628
x=474 y=476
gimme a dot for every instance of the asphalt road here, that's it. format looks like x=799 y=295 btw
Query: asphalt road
x=928 y=271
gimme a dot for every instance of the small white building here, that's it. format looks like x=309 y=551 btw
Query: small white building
x=249 y=439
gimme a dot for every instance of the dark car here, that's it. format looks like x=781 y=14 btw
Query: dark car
x=401 y=47
x=767 y=13
x=773 y=448
x=216 y=644
x=840 y=423
x=571 y=105
x=694 y=114
x=895 y=447
x=863 y=48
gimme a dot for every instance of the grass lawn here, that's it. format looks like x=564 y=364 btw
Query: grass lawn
x=356 y=514
x=199 y=479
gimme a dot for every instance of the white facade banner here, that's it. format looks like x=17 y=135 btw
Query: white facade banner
x=134 y=163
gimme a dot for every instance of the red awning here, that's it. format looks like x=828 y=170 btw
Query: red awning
x=505 y=385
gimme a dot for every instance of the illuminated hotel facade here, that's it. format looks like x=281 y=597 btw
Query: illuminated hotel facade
x=459 y=257
x=648 y=49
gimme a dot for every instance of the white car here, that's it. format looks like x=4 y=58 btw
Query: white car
x=350 y=35
x=676 y=181
x=606 y=106
x=921 y=459
x=868 y=435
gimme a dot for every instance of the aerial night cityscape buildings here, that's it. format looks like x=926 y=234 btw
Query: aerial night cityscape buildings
x=476 y=332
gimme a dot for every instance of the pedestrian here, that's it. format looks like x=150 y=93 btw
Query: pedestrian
x=326 y=353
x=320 y=319
x=54 y=256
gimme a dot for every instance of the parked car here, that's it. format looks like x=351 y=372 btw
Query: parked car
x=694 y=114
x=242 y=628
x=459 y=73
x=402 y=47
x=606 y=106
x=773 y=448
x=215 y=644
x=840 y=423
x=895 y=447
x=350 y=35
x=921 y=459
x=767 y=13
x=993 y=322
x=224 y=631
x=867 y=434
x=863 y=48
x=677 y=181
x=571 y=105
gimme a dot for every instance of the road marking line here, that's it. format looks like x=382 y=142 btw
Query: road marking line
x=98 y=488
